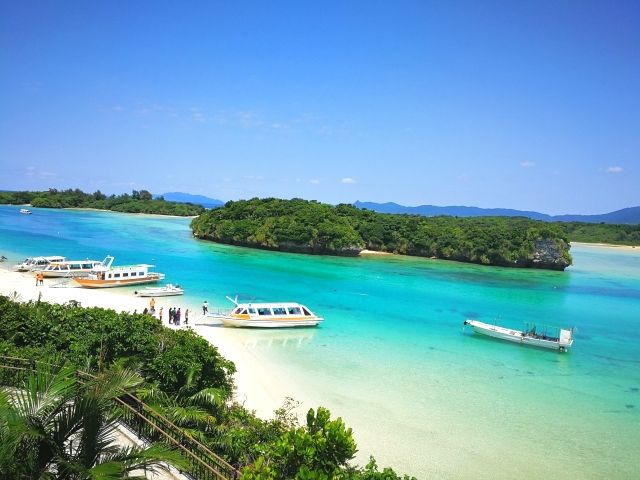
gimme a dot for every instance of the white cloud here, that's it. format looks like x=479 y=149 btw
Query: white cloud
x=34 y=172
x=348 y=180
x=314 y=181
x=527 y=164
x=615 y=169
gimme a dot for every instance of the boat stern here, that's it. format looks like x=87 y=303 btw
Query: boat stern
x=566 y=339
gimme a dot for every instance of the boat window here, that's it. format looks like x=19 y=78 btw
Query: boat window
x=133 y=274
x=244 y=311
x=264 y=311
x=237 y=310
x=279 y=311
x=306 y=312
x=87 y=265
x=294 y=311
x=74 y=266
x=141 y=274
x=252 y=311
x=116 y=275
x=125 y=274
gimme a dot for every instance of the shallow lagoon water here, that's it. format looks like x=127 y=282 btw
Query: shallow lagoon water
x=392 y=358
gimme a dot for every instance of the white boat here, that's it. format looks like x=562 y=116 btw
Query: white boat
x=268 y=315
x=165 y=291
x=107 y=276
x=70 y=268
x=37 y=263
x=547 y=337
x=25 y=211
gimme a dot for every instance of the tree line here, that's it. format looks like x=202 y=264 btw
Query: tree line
x=139 y=201
x=312 y=227
x=180 y=375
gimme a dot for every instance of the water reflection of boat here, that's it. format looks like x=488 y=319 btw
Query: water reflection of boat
x=277 y=338
x=542 y=336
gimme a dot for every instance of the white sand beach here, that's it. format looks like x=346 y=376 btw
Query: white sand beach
x=626 y=248
x=257 y=387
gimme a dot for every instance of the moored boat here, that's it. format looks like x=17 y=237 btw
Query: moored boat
x=70 y=268
x=25 y=211
x=164 y=291
x=107 y=276
x=268 y=315
x=547 y=337
x=31 y=264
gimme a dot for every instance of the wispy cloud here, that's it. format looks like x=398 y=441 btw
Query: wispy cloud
x=248 y=119
x=348 y=180
x=34 y=172
x=615 y=169
x=314 y=181
x=527 y=164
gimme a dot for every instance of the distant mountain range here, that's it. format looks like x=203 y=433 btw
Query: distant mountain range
x=624 y=216
x=206 y=202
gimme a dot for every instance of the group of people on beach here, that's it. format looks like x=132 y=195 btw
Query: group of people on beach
x=39 y=279
x=175 y=314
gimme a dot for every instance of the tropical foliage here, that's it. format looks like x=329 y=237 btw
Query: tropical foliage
x=602 y=233
x=140 y=201
x=313 y=227
x=181 y=376
x=62 y=426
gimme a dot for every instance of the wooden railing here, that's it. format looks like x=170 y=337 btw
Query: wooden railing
x=145 y=422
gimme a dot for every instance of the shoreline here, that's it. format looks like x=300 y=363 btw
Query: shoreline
x=255 y=385
x=611 y=246
x=87 y=209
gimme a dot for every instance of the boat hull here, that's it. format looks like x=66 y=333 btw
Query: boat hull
x=158 y=292
x=516 y=336
x=96 y=283
x=228 y=321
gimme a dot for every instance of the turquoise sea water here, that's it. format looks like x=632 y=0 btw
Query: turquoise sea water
x=392 y=358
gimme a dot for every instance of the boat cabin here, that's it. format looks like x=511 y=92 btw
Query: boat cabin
x=37 y=263
x=273 y=310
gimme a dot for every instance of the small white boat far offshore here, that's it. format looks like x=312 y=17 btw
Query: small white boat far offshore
x=165 y=291
x=37 y=263
x=268 y=315
x=69 y=268
x=25 y=211
x=547 y=337
x=106 y=276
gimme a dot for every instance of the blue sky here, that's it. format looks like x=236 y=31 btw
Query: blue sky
x=528 y=105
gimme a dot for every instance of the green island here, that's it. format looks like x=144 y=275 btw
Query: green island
x=140 y=201
x=313 y=227
x=602 y=233
x=177 y=373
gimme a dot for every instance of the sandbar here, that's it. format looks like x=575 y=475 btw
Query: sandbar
x=626 y=248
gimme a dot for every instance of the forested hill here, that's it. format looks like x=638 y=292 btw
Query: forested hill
x=629 y=216
x=312 y=227
x=138 y=202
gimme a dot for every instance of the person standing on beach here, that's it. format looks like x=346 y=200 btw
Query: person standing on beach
x=38 y=280
x=186 y=317
x=160 y=316
x=152 y=304
x=170 y=315
x=205 y=307
x=177 y=322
